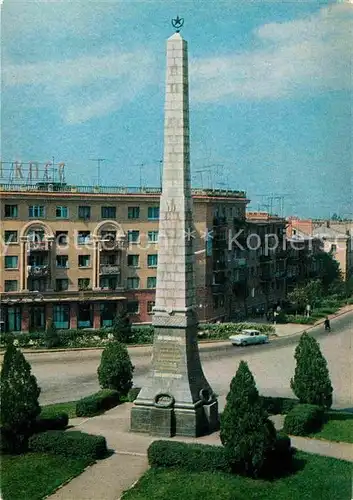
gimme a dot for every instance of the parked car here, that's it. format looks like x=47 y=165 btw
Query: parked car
x=247 y=337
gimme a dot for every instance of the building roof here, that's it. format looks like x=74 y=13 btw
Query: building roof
x=328 y=232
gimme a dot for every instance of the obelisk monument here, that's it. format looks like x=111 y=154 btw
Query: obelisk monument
x=176 y=398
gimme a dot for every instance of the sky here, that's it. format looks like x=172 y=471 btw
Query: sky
x=270 y=94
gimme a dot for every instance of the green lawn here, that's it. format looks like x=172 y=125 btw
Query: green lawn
x=316 y=478
x=32 y=476
x=68 y=407
x=339 y=427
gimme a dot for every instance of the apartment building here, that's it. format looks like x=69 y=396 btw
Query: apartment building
x=74 y=255
x=334 y=237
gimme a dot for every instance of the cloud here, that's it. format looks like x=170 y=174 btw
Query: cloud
x=84 y=87
x=308 y=55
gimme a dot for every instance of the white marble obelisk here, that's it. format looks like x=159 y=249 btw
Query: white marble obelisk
x=176 y=399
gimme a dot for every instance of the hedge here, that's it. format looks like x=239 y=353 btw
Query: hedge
x=48 y=423
x=304 y=419
x=69 y=444
x=189 y=456
x=133 y=393
x=97 y=403
x=140 y=335
x=201 y=457
x=301 y=320
x=277 y=405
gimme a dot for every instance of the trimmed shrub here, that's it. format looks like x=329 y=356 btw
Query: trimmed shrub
x=115 y=369
x=304 y=419
x=246 y=432
x=55 y=422
x=277 y=405
x=142 y=334
x=311 y=382
x=133 y=393
x=97 y=403
x=189 y=456
x=19 y=401
x=69 y=444
x=302 y=320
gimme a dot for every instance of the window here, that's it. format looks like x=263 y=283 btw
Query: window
x=153 y=213
x=151 y=282
x=132 y=307
x=133 y=236
x=35 y=211
x=133 y=212
x=152 y=236
x=84 y=212
x=150 y=306
x=85 y=315
x=62 y=285
x=61 y=316
x=133 y=283
x=333 y=248
x=11 y=285
x=83 y=283
x=11 y=211
x=11 y=262
x=110 y=259
x=62 y=261
x=61 y=212
x=109 y=282
x=133 y=260
x=62 y=238
x=84 y=260
x=83 y=237
x=11 y=236
x=14 y=319
x=108 y=212
x=152 y=260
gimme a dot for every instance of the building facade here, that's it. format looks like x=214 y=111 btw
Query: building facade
x=74 y=255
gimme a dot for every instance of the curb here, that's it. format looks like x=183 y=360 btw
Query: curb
x=201 y=342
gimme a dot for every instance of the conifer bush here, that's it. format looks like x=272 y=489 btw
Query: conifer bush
x=115 y=370
x=311 y=382
x=52 y=338
x=19 y=401
x=246 y=432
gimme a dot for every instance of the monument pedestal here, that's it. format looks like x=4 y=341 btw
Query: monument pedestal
x=169 y=422
x=176 y=400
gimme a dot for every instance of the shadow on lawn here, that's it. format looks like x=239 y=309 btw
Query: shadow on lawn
x=286 y=468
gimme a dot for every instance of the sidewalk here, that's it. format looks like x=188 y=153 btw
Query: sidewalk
x=109 y=478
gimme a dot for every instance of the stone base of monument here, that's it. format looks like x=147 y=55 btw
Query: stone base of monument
x=169 y=422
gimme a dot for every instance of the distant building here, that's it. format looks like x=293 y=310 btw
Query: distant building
x=335 y=238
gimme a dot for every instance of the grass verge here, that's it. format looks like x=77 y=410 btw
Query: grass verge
x=68 y=407
x=32 y=476
x=338 y=427
x=313 y=477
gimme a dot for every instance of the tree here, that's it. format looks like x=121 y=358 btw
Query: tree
x=311 y=382
x=330 y=269
x=19 y=400
x=246 y=432
x=310 y=293
x=115 y=369
x=121 y=328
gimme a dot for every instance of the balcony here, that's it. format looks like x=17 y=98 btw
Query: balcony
x=38 y=246
x=38 y=271
x=109 y=269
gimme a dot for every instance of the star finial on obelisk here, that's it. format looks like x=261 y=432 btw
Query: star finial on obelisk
x=177 y=23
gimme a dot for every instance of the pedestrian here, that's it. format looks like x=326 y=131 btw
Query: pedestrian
x=327 y=324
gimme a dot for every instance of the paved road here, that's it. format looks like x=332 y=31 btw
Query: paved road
x=69 y=375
